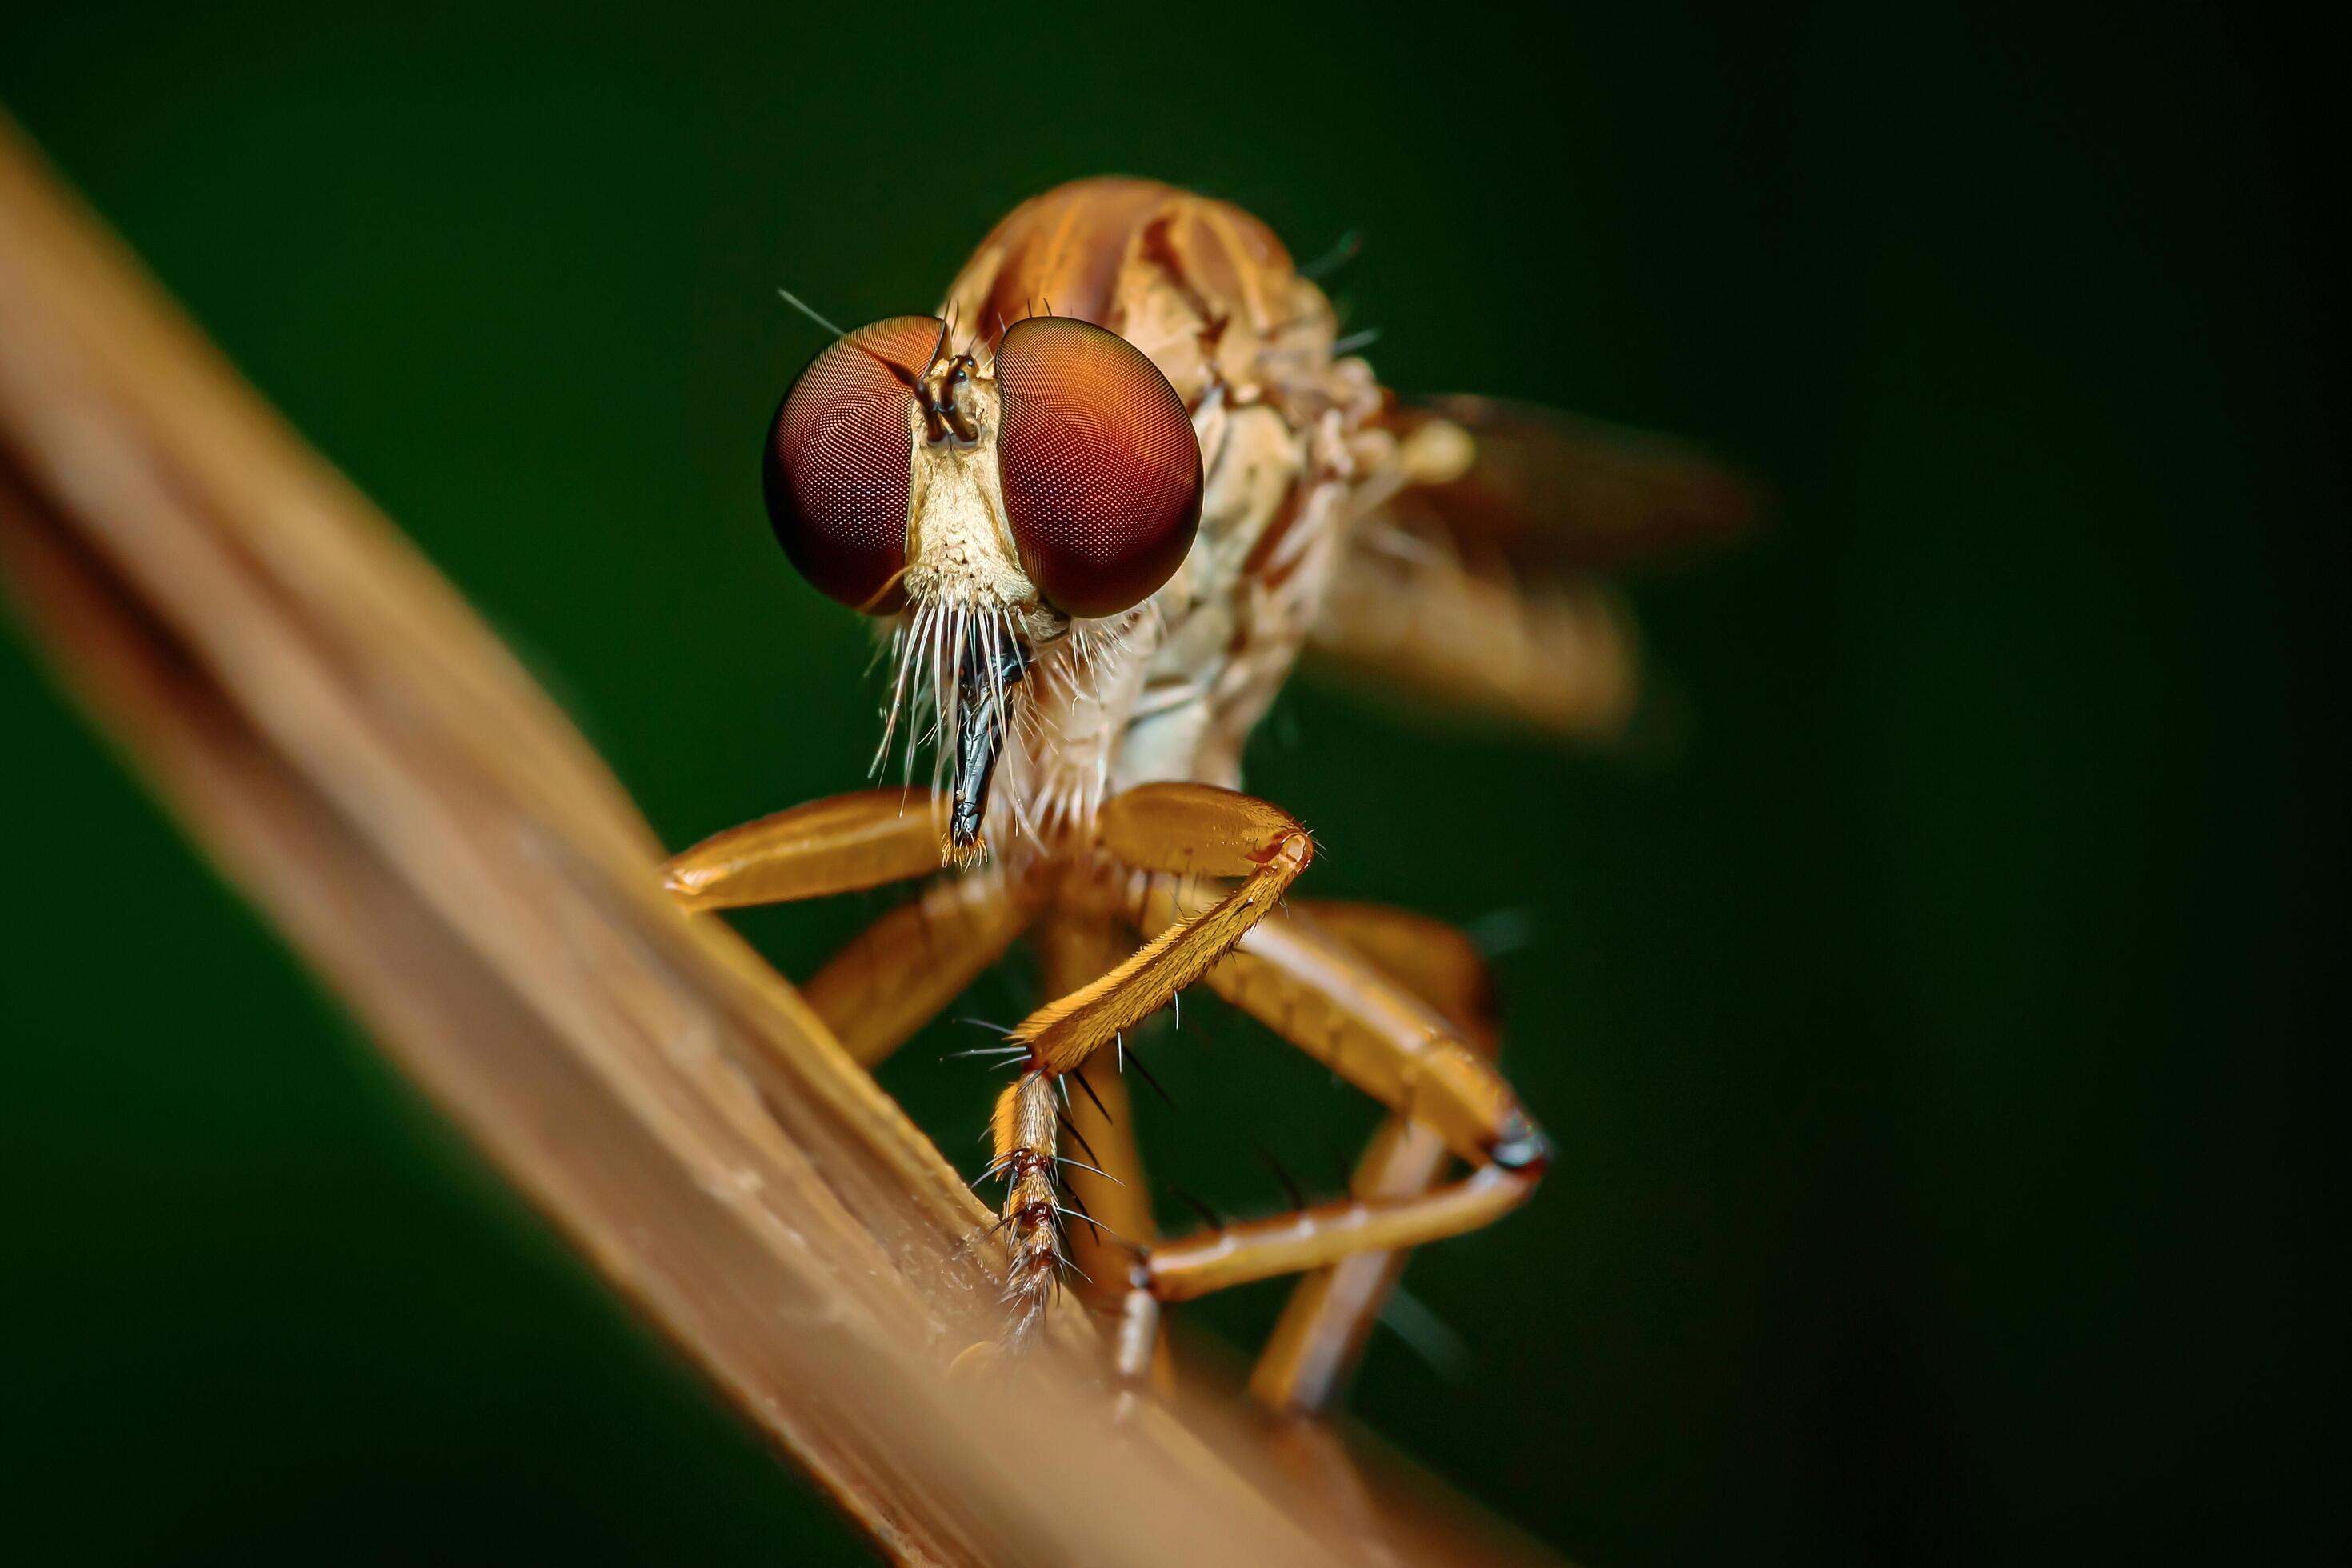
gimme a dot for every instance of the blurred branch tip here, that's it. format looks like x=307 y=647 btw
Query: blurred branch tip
x=331 y=724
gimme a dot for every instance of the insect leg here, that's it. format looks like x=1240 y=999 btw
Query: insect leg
x=1181 y=829
x=899 y=973
x=835 y=845
x=1434 y=960
x=1072 y=949
x=896 y=975
x=1327 y=999
x=1330 y=1316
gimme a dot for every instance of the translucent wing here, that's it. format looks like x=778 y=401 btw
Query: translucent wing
x=1480 y=582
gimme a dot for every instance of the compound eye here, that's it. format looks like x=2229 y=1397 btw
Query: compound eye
x=835 y=471
x=1101 y=470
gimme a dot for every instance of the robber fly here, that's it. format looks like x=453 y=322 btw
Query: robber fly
x=1102 y=502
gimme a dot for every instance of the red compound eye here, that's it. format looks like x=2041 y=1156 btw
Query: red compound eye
x=835 y=471
x=1102 y=473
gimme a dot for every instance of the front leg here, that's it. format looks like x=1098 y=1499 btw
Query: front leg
x=843 y=844
x=898 y=973
x=1183 y=830
x=1074 y=946
x=1179 y=830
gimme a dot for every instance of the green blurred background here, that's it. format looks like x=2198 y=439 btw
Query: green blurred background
x=1920 y=1007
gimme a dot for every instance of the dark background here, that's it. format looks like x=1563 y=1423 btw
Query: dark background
x=1920 y=1006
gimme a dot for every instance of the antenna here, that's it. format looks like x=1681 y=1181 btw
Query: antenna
x=906 y=377
x=805 y=308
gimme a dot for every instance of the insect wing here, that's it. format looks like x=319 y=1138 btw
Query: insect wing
x=1480 y=585
x=1549 y=493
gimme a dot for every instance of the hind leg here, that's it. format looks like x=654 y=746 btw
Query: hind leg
x=1330 y=1001
x=1330 y=1316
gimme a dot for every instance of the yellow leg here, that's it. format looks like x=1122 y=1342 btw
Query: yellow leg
x=1429 y=958
x=1330 y=1316
x=902 y=971
x=1180 y=830
x=1323 y=996
x=1310 y=1237
x=1073 y=948
x=898 y=974
x=1327 y=999
x=835 y=845
x=1184 y=830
